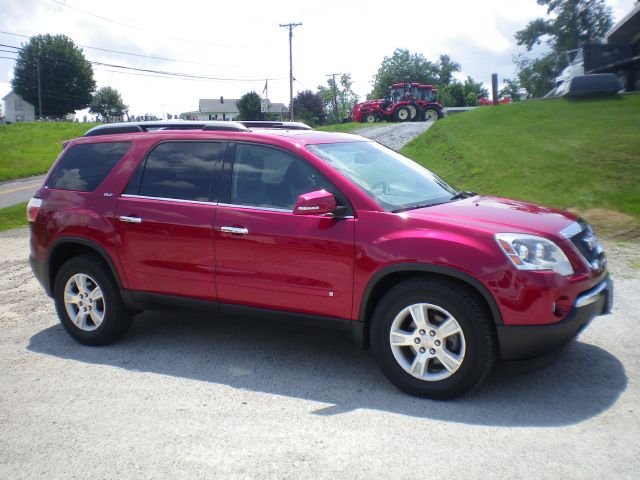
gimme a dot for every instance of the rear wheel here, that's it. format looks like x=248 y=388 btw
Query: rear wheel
x=432 y=339
x=402 y=114
x=432 y=114
x=88 y=302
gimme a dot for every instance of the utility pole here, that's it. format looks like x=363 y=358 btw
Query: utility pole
x=335 y=94
x=290 y=26
x=39 y=87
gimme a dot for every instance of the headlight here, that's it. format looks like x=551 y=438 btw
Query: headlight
x=530 y=252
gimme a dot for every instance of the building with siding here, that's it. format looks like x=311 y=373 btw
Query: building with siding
x=226 y=109
x=17 y=109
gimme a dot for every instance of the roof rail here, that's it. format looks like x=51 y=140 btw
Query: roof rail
x=276 y=125
x=135 y=127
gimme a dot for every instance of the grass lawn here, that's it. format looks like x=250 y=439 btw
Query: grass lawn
x=30 y=148
x=580 y=155
x=14 y=216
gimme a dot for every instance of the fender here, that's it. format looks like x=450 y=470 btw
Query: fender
x=429 y=268
x=87 y=243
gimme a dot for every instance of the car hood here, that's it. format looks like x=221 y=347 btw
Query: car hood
x=497 y=215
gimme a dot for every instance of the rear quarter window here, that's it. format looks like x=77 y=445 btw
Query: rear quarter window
x=84 y=167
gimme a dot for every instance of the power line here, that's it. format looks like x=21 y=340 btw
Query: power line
x=161 y=72
x=131 y=54
x=142 y=29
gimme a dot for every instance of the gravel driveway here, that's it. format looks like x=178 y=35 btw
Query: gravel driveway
x=394 y=135
x=182 y=396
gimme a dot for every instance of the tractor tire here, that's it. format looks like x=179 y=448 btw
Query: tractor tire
x=402 y=114
x=416 y=113
x=370 y=118
x=431 y=114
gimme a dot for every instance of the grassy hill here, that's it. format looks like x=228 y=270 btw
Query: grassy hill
x=30 y=148
x=578 y=155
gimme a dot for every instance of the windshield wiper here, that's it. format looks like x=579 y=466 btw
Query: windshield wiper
x=463 y=194
x=415 y=207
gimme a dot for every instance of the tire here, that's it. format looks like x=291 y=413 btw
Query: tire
x=84 y=287
x=432 y=114
x=458 y=329
x=415 y=112
x=402 y=114
x=370 y=118
x=625 y=80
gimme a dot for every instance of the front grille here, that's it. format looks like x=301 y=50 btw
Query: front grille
x=590 y=248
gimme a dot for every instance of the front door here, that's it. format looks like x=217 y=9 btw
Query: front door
x=165 y=218
x=268 y=257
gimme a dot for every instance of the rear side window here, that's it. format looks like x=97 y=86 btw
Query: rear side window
x=84 y=167
x=181 y=170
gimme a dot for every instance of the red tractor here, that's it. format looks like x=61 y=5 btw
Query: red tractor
x=406 y=102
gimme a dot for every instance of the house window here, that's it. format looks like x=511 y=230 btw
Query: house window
x=19 y=105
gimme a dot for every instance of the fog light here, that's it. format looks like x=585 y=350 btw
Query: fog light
x=562 y=307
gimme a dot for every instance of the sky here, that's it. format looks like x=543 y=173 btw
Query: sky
x=239 y=45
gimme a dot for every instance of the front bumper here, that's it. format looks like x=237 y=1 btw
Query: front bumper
x=523 y=342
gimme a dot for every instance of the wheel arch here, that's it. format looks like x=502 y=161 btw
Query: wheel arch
x=66 y=248
x=387 y=277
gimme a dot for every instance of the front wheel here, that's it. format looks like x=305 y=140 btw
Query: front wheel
x=432 y=338
x=88 y=302
x=370 y=118
x=402 y=114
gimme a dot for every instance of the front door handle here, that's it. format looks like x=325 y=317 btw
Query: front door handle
x=124 y=218
x=236 y=230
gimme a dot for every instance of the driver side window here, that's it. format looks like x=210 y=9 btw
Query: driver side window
x=267 y=177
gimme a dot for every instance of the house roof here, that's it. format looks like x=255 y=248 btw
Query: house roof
x=218 y=105
x=9 y=94
x=626 y=30
x=228 y=105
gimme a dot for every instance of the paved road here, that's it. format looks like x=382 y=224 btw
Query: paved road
x=18 y=191
x=185 y=396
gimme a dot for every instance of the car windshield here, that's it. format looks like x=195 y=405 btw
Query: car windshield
x=394 y=181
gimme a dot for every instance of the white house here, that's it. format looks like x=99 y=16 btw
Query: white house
x=226 y=109
x=18 y=110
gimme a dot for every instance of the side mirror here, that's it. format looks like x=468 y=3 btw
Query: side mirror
x=319 y=202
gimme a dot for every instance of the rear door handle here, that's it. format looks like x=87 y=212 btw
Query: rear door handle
x=124 y=218
x=236 y=230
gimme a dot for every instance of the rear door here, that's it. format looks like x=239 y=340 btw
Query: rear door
x=165 y=218
x=266 y=256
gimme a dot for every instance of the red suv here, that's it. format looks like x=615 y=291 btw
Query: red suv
x=331 y=229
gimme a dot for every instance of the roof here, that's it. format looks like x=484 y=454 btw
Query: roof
x=228 y=105
x=626 y=30
x=218 y=105
x=9 y=94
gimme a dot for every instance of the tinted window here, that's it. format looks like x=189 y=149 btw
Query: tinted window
x=266 y=177
x=83 y=167
x=181 y=170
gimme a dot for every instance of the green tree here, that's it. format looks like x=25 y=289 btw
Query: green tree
x=308 y=107
x=446 y=68
x=462 y=94
x=108 y=103
x=249 y=107
x=570 y=24
x=513 y=90
x=403 y=65
x=66 y=77
x=345 y=98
